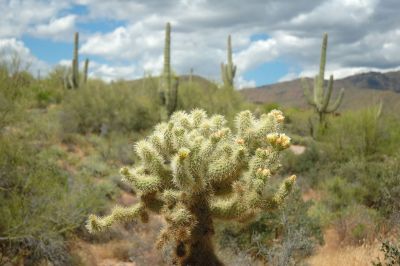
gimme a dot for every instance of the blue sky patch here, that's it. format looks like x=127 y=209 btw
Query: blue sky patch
x=47 y=50
x=268 y=73
x=259 y=37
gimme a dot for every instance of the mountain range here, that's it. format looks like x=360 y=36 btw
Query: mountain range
x=361 y=90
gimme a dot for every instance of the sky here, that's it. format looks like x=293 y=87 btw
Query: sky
x=273 y=40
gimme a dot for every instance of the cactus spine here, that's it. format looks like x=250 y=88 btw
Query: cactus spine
x=71 y=80
x=228 y=70
x=193 y=169
x=321 y=96
x=169 y=82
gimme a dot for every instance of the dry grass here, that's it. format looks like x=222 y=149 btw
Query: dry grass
x=333 y=254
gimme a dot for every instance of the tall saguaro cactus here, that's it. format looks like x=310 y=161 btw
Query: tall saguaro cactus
x=85 y=70
x=169 y=82
x=193 y=170
x=72 y=80
x=321 y=97
x=228 y=70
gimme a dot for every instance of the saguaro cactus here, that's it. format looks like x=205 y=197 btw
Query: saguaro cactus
x=169 y=83
x=321 y=96
x=85 y=70
x=228 y=70
x=194 y=169
x=71 y=80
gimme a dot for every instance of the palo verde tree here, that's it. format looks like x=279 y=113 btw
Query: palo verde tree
x=320 y=99
x=169 y=83
x=72 y=79
x=228 y=70
x=193 y=169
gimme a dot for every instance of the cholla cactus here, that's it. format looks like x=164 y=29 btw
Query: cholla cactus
x=169 y=82
x=321 y=97
x=228 y=70
x=71 y=79
x=194 y=169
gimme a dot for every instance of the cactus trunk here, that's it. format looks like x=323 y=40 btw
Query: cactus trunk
x=200 y=249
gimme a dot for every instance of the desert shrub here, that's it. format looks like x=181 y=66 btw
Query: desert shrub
x=93 y=166
x=209 y=97
x=116 y=148
x=40 y=203
x=282 y=237
x=362 y=133
x=356 y=224
x=304 y=162
x=371 y=183
x=10 y=94
x=298 y=121
x=43 y=94
x=102 y=108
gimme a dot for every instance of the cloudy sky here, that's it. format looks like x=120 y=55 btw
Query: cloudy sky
x=273 y=40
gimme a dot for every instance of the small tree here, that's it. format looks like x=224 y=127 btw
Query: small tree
x=194 y=169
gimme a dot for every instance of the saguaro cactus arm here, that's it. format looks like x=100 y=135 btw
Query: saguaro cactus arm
x=194 y=169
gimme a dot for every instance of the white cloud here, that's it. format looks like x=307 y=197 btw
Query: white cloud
x=111 y=73
x=242 y=83
x=363 y=34
x=12 y=48
x=57 y=28
x=257 y=53
x=289 y=76
x=19 y=17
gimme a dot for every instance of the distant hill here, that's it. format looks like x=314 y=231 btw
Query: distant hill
x=360 y=90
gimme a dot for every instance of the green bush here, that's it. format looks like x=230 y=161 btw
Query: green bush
x=10 y=98
x=282 y=237
x=102 y=108
x=362 y=133
x=209 y=97
x=40 y=203
x=298 y=121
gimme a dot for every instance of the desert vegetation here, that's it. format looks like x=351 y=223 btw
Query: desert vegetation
x=199 y=163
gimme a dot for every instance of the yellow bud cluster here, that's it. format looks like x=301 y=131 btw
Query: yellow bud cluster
x=264 y=172
x=280 y=141
x=240 y=141
x=183 y=153
x=278 y=115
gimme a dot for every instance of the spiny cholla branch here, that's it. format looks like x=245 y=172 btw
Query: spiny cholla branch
x=194 y=168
